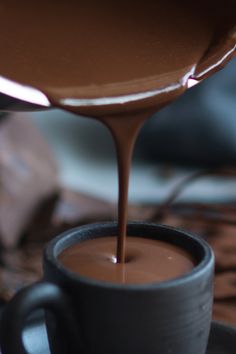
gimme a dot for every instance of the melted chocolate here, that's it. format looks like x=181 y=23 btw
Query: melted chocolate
x=118 y=61
x=147 y=260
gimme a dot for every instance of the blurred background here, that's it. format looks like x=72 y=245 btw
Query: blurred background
x=196 y=131
x=59 y=171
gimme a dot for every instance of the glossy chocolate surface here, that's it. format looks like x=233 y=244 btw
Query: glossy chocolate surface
x=147 y=260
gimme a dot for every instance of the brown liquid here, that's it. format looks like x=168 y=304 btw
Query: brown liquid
x=118 y=61
x=147 y=260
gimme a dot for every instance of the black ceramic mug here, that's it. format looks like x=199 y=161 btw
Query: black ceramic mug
x=85 y=316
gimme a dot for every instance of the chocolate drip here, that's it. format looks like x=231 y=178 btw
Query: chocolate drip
x=124 y=131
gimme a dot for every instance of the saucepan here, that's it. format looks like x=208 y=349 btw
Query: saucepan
x=17 y=97
x=14 y=96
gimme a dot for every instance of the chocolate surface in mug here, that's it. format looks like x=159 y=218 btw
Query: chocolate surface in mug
x=147 y=260
x=117 y=61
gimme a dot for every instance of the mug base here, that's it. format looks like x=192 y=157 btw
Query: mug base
x=222 y=338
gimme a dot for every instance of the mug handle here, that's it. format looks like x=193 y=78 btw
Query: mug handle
x=43 y=295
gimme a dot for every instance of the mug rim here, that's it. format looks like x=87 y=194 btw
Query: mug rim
x=51 y=255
